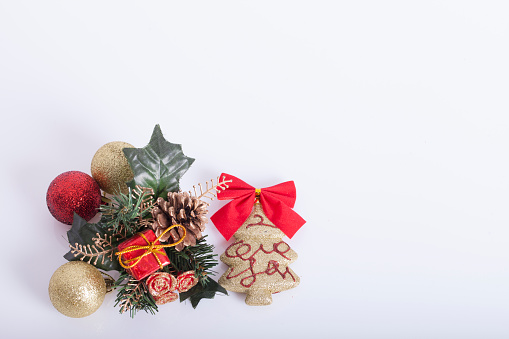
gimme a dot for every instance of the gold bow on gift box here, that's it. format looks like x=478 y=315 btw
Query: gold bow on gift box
x=150 y=248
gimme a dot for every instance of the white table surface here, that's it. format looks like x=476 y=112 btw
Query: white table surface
x=391 y=117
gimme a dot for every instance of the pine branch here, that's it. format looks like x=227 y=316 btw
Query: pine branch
x=199 y=258
x=133 y=296
x=127 y=213
x=210 y=191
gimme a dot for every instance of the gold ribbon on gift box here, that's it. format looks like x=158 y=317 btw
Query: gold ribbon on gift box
x=150 y=248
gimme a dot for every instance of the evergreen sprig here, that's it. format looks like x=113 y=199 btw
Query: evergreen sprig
x=199 y=258
x=133 y=296
x=125 y=212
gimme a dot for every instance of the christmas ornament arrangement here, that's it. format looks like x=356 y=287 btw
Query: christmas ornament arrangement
x=150 y=231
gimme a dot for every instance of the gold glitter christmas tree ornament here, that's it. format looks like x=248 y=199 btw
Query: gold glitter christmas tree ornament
x=258 y=219
x=77 y=289
x=259 y=260
x=110 y=167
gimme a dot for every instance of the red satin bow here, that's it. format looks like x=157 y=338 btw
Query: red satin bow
x=277 y=203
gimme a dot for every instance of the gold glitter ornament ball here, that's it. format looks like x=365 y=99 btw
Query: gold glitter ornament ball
x=77 y=289
x=110 y=167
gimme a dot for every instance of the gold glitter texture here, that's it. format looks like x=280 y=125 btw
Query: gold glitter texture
x=259 y=260
x=110 y=167
x=77 y=289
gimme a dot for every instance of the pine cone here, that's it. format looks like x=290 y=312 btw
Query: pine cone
x=183 y=209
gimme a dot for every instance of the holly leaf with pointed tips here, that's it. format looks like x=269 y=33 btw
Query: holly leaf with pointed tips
x=93 y=244
x=159 y=165
x=199 y=292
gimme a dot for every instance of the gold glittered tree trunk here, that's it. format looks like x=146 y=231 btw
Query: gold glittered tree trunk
x=259 y=260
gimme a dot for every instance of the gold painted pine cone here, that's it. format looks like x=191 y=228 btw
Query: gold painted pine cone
x=184 y=209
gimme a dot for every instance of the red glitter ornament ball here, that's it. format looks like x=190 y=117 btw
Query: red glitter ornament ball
x=71 y=192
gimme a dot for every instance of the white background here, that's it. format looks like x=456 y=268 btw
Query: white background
x=390 y=116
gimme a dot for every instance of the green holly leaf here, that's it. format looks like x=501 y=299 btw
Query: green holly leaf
x=199 y=292
x=159 y=165
x=92 y=243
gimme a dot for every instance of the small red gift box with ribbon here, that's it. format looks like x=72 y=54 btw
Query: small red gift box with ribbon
x=143 y=254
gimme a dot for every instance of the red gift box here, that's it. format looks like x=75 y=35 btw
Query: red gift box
x=148 y=264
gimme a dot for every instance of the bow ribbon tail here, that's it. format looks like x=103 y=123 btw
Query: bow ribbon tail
x=281 y=215
x=231 y=216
